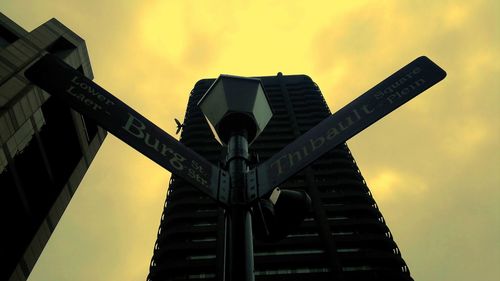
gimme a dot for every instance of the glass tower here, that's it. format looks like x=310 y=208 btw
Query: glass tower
x=45 y=147
x=343 y=238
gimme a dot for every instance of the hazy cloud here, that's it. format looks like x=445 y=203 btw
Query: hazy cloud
x=432 y=165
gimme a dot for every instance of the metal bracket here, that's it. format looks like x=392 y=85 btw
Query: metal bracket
x=252 y=185
x=223 y=190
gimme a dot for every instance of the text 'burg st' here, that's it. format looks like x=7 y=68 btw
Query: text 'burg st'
x=96 y=102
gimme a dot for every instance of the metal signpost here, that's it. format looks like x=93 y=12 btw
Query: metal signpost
x=235 y=124
x=237 y=110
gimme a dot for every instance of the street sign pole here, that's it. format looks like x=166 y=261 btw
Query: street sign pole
x=238 y=220
x=237 y=110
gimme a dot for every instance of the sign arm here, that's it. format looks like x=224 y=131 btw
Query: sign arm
x=397 y=89
x=82 y=94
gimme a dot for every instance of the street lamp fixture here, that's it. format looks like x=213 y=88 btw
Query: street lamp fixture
x=235 y=103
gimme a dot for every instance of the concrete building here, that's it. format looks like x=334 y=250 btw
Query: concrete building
x=45 y=147
x=343 y=238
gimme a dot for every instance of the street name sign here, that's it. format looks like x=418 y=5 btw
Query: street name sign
x=397 y=89
x=59 y=79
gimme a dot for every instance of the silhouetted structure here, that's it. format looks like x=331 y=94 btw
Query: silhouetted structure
x=344 y=238
x=45 y=148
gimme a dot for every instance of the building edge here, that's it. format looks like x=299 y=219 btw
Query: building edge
x=20 y=109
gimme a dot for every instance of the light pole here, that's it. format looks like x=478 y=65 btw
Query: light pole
x=238 y=219
x=237 y=111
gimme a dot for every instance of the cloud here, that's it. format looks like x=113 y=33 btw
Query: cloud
x=466 y=137
x=387 y=183
x=170 y=31
x=432 y=165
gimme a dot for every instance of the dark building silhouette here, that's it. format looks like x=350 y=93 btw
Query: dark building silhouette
x=45 y=147
x=344 y=238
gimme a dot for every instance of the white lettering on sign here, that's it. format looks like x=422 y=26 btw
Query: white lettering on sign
x=91 y=97
x=90 y=90
x=289 y=160
x=85 y=93
x=138 y=129
x=81 y=97
x=393 y=91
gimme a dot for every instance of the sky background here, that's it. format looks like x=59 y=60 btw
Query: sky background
x=433 y=165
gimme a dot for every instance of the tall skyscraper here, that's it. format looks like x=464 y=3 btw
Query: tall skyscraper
x=343 y=238
x=45 y=147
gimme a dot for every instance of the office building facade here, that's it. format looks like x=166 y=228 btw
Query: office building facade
x=343 y=238
x=45 y=147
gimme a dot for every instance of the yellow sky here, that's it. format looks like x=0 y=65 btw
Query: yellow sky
x=433 y=165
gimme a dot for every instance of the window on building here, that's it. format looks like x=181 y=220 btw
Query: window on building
x=201 y=240
x=34 y=175
x=289 y=252
x=303 y=235
x=201 y=257
x=203 y=224
x=357 y=268
x=291 y=271
x=90 y=128
x=16 y=222
x=60 y=140
x=201 y=276
x=61 y=48
x=338 y=218
x=342 y=233
x=3 y=161
x=348 y=250
x=20 y=139
x=6 y=37
x=211 y=211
